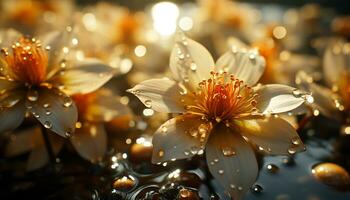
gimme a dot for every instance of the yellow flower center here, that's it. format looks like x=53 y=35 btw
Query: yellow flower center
x=222 y=98
x=27 y=62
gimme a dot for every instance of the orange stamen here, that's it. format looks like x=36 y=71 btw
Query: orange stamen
x=28 y=61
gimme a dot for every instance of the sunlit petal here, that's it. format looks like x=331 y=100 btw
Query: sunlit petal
x=246 y=65
x=87 y=76
x=90 y=141
x=162 y=95
x=54 y=109
x=231 y=161
x=181 y=137
x=276 y=98
x=190 y=62
x=272 y=134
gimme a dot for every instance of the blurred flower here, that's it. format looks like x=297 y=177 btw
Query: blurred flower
x=33 y=16
x=31 y=140
x=220 y=111
x=333 y=100
x=281 y=65
x=90 y=137
x=223 y=18
x=38 y=77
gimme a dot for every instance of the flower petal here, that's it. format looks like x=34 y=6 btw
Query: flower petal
x=12 y=117
x=8 y=37
x=21 y=142
x=273 y=134
x=6 y=84
x=180 y=137
x=39 y=157
x=54 y=42
x=231 y=160
x=276 y=98
x=55 y=110
x=325 y=100
x=247 y=66
x=105 y=107
x=87 y=76
x=190 y=61
x=162 y=95
x=335 y=62
x=90 y=141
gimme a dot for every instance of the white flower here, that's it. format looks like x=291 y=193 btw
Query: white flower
x=37 y=77
x=220 y=111
x=333 y=100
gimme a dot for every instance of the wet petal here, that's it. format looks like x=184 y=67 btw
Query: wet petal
x=325 y=100
x=39 y=157
x=12 y=117
x=246 y=65
x=54 y=42
x=231 y=160
x=87 y=76
x=21 y=142
x=162 y=95
x=54 y=109
x=181 y=137
x=190 y=61
x=105 y=107
x=273 y=134
x=276 y=98
x=335 y=62
x=90 y=141
x=6 y=84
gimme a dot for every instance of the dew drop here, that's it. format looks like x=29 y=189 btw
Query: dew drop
x=193 y=66
x=148 y=103
x=272 y=168
x=47 y=124
x=296 y=140
x=32 y=95
x=228 y=151
x=184 y=193
x=257 y=188
x=161 y=153
x=232 y=186
x=48 y=112
x=164 y=129
x=240 y=188
x=296 y=93
x=68 y=134
x=221 y=171
x=292 y=150
x=67 y=102
x=46 y=105
x=186 y=153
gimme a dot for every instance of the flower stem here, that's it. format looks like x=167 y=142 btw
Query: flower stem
x=48 y=145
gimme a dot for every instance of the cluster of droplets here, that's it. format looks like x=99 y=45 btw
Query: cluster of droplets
x=222 y=98
x=33 y=102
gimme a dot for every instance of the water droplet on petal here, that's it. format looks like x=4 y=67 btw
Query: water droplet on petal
x=148 y=103
x=67 y=102
x=32 y=95
x=272 y=168
x=292 y=150
x=296 y=140
x=68 y=134
x=221 y=171
x=47 y=124
x=257 y=188
x=161 y=153
x=228 y=151
x=193 y=66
